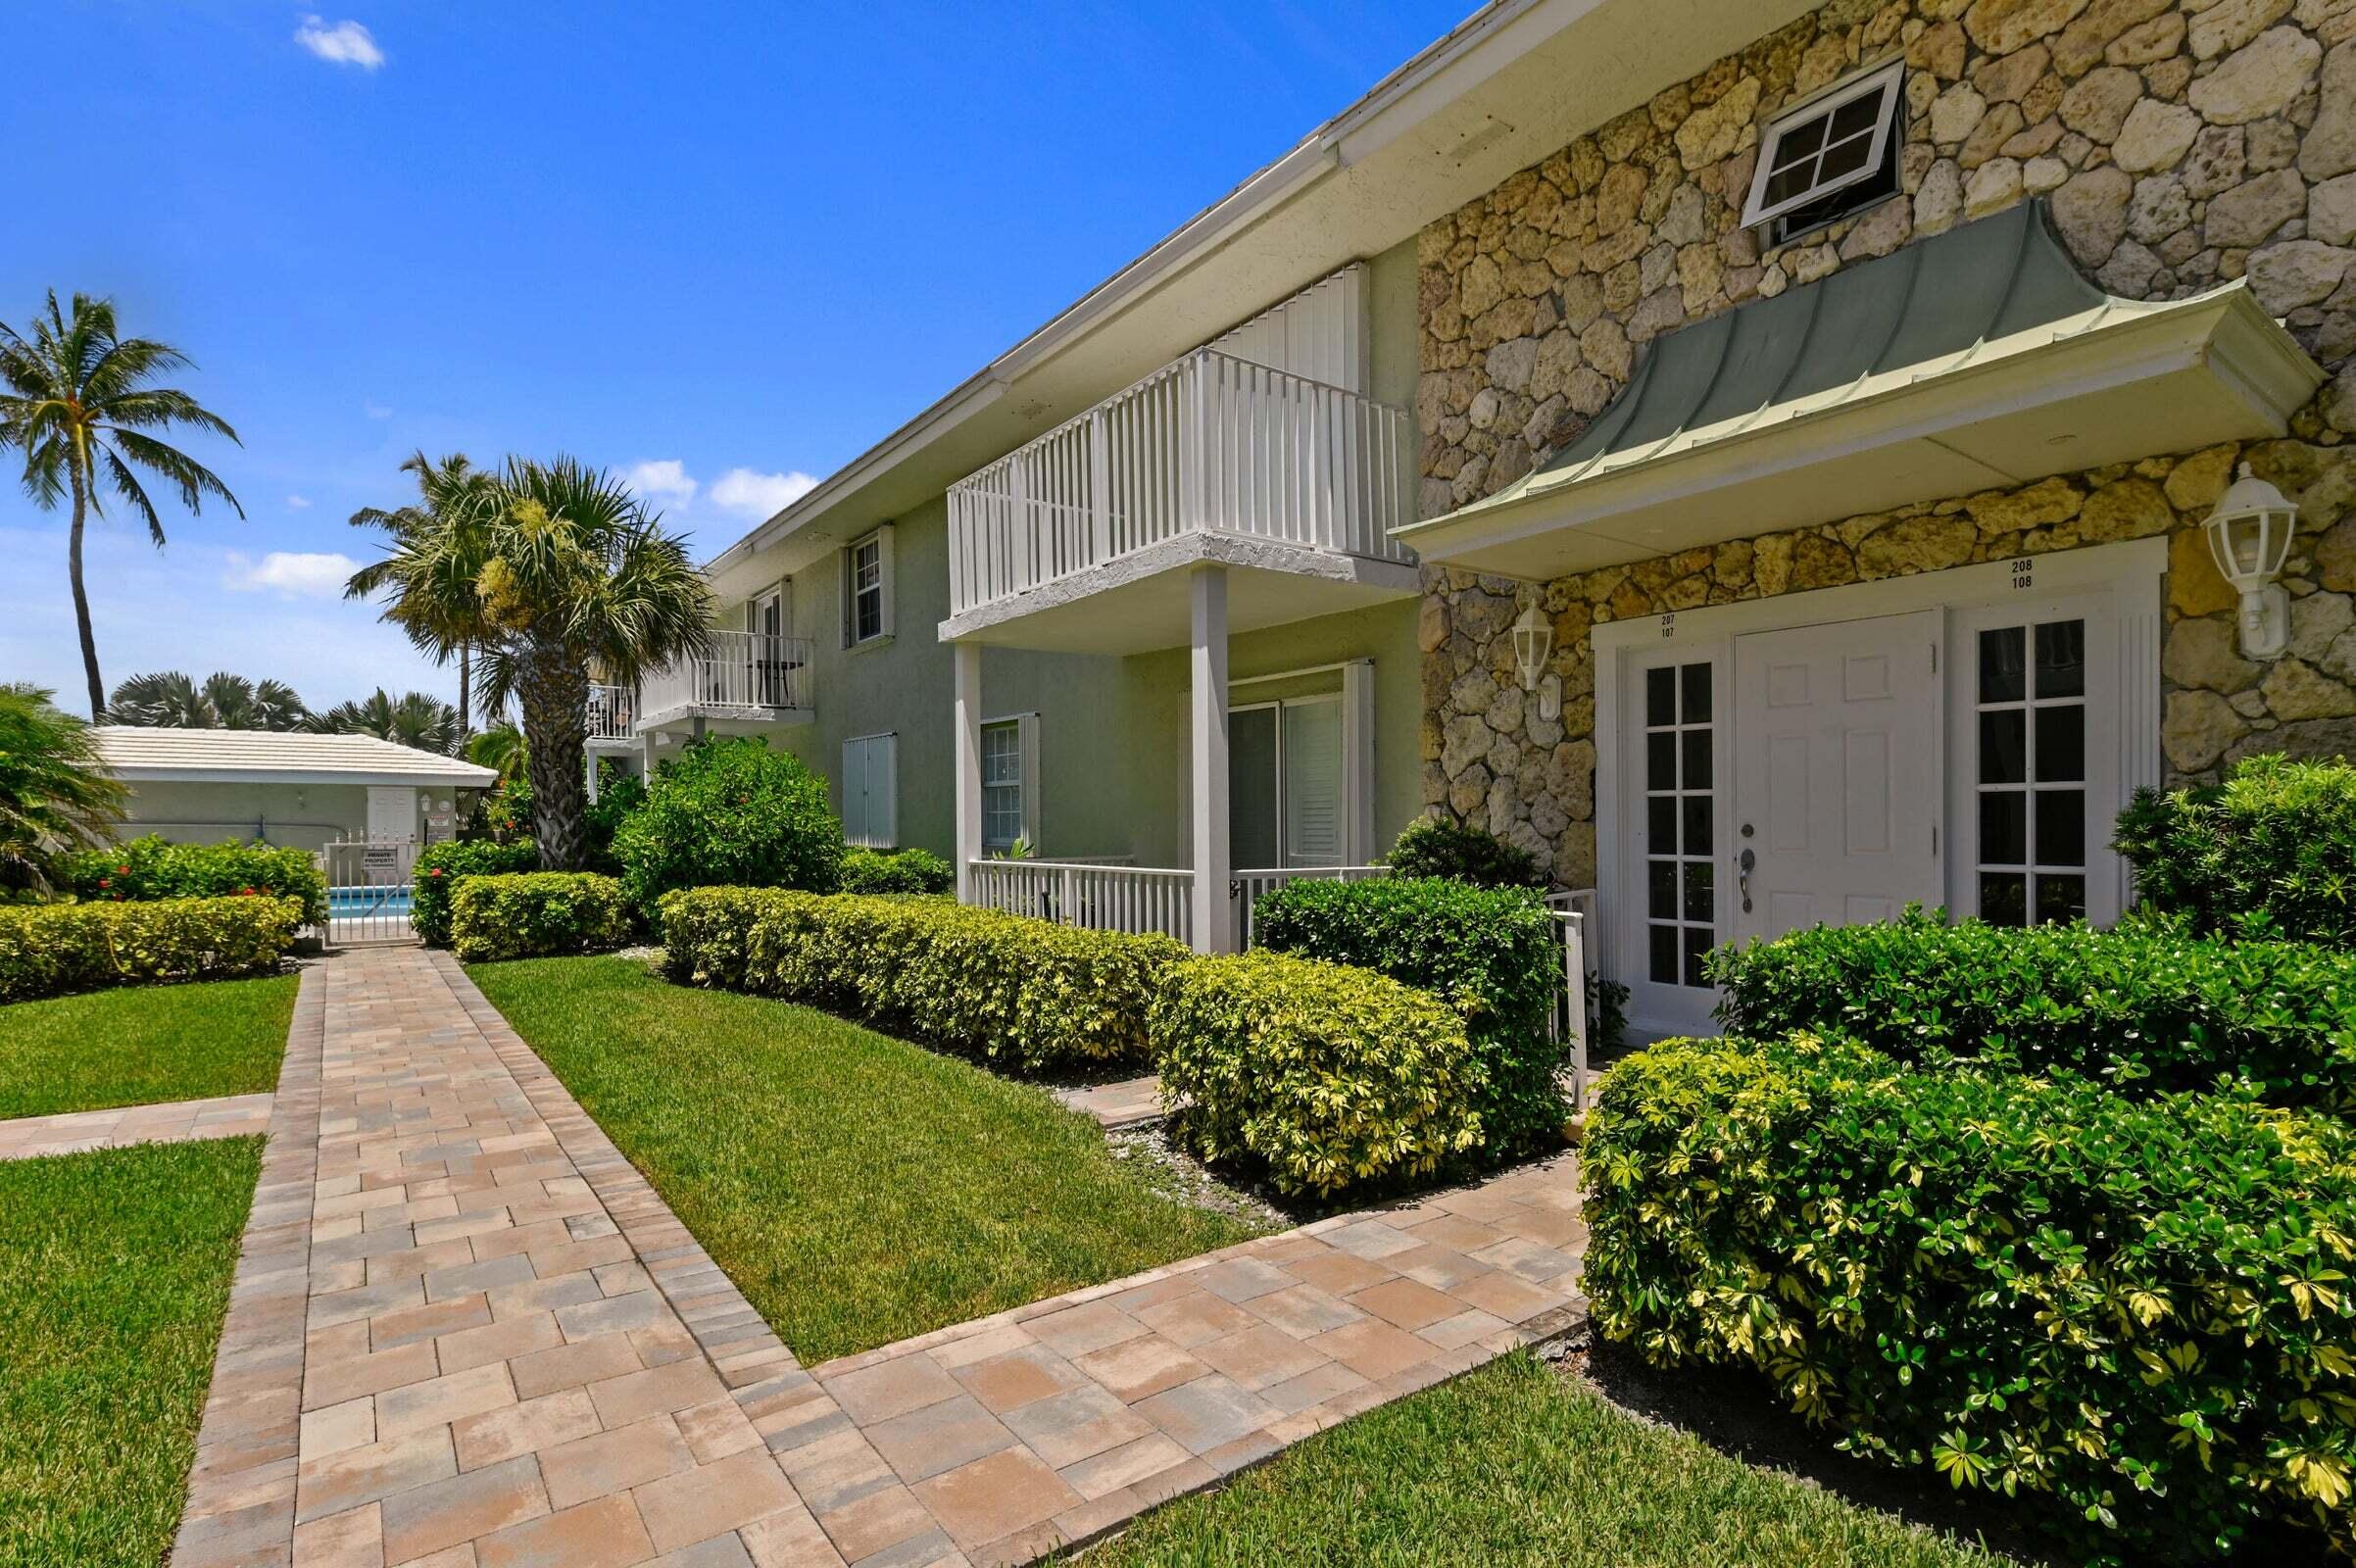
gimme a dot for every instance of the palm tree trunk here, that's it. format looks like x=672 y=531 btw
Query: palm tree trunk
x=466 y=670
x=555 y=694
x=81 y=601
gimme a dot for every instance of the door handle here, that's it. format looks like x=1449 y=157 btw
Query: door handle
x=1744 y=865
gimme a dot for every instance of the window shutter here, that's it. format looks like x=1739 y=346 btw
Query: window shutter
x=883 y=555
x=1028 y=727
x=883 y=790
x=846 y=594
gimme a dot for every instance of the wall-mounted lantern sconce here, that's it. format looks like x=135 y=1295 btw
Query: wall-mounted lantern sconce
x=1532 y=641
x=2249 y=536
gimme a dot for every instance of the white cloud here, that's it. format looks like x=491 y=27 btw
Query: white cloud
x=759 y=495
x=665 y=480
x=376 y=411
x=298 y=503
x=290 y=573
x=343 y=43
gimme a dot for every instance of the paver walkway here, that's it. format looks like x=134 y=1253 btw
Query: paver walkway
x=467 y=1334
x=173 y=1122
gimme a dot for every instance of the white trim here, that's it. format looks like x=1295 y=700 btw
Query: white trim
x=2123 y=581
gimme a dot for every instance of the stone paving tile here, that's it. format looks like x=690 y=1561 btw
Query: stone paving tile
x=466 y=1332
x=176 y=1121
x=1130 y=1102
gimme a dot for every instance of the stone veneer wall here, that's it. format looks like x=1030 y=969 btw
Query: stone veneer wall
x=2181 y=144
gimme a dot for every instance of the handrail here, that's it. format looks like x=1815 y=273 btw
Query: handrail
x=1208 y=443
x=744 y=671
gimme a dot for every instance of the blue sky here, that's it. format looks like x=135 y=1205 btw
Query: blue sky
x=718 y=245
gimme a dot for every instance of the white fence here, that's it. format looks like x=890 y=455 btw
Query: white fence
x=1208 y=444
x=1100 y=896
x=1250 y=886
x=368 y=890
x=742 y=671
x=1575 y=912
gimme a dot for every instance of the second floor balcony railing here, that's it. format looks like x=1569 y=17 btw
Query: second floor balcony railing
x=1208 y=444
x=741 y=672
x=613 y=713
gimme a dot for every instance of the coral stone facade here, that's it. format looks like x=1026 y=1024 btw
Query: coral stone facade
x=2178 y=145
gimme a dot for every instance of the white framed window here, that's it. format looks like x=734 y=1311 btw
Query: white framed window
x=2030 y=861
x=1286 y=782
x=1010 y=782
x=1679 y=775
x=867 y=588
x=1834 y=153
x=871 y=791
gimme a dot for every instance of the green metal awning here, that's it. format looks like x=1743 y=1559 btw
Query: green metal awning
x=1975 y=360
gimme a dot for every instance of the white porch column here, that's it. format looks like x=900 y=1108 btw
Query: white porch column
x=966 y=685
x=1206 y=698
x=591 y=758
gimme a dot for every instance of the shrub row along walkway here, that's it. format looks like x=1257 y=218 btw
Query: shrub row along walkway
x=176 y=1122
x=466 y=1332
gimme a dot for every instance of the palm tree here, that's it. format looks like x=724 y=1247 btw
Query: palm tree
x=502 y=748
x=168 y=700
x=74 y=397
x=55 y=796
x=557 y=569
x=449 y=492
x=413 y=719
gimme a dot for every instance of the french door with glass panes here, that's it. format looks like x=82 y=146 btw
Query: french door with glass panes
x=1965 y=754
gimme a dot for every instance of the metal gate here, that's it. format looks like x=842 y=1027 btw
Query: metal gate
x=368 y=890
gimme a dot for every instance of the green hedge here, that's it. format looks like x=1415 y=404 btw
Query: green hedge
x=148 y=867
x=2145 y=1009
x=1431 y=846
x=49 y=950
x=895 y=871
x=2271 y=850
x=2137 y=1309
x=1329 y=1076
x=729 y=813
x=991 y=985
x=441 y=867
x=1492 y=953
x=536 y=914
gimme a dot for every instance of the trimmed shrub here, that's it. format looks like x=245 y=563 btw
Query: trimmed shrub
x=534 y=915
x=1328 y=1076
x=148 y=867
x=895 y=871
x=441 y=867
x=2137 y=1309
x=1491 y=953
x=1431 y=846
x=49 y=950
x=2271 y=850
x=991 y=985
x=2144 y=1008
x=730 y=812
x=619 y=792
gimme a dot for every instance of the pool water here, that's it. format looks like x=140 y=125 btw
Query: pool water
x=352 y=903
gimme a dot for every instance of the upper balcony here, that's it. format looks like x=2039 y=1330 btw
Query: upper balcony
x=742 y=681
x=1079 y=541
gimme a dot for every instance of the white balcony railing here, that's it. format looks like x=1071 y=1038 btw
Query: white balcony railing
x=613 y=713
x=1100 y=896
x=741 y=672
x=1209 y=444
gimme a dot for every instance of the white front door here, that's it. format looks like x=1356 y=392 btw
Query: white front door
x=392 y=812
x=1837 y=775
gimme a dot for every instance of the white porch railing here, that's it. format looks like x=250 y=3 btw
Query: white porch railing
x=1575 y=912
x=1100 y=896
x=742 y=671
x=1208 y=444
x=613 y=713
x=1250 y=886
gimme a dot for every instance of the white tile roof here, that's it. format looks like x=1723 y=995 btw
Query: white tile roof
x=253 y=756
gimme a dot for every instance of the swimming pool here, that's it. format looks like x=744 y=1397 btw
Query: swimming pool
x=345 y=903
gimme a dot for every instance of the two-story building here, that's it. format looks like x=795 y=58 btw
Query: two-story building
x=1759 y=457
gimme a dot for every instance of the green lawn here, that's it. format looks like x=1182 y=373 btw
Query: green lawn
x=143 y=1045
x=1516 y=1464
x=857 y=1188
x=115 y=1270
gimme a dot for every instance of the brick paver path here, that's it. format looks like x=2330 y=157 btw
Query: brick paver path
x=174 y=1122
x=467 y=1334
